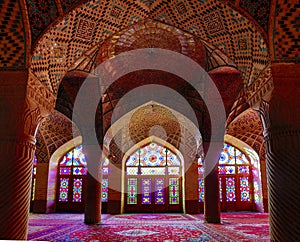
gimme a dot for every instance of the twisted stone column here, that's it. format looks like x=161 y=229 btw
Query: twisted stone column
x=283 y=166
x=281 y=120
x=16 y=171
x=24 y=101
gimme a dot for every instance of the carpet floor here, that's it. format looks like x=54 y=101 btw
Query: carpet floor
x=149 y=227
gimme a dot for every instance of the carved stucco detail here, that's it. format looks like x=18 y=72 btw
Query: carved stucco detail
x=38 y=93
x=261 y=88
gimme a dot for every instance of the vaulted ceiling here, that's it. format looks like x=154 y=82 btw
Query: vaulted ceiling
x=55 y=36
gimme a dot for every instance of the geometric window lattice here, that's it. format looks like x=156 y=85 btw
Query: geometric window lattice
x=220 y=190
x=77 y=189
x=230 y=189
x=153 y=154
x=201 y=189
x=104 y=185
x=159 y=191
x=104 y=190
x=132 y=191
x=146 y=188
x=244 y=189
x=174 y=190
x=154 y=170
x=72 y=171
x=63 y=189
x=200 y=180
x=234 y=176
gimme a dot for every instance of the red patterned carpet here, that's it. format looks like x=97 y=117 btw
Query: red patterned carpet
x=149 y=227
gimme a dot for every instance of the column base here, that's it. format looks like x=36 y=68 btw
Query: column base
x=212 y=220
x=91 y=221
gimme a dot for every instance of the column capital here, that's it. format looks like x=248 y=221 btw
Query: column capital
x=38 y=93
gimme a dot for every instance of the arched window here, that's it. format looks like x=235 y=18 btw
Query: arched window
x=72 y=173
x=235 y=180
x=72 y=180
x=153 y=180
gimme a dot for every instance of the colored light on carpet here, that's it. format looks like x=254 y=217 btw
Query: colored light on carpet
x=149 y=227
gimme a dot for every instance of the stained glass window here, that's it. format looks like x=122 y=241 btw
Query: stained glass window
x=67 y=159
x=243 y=169
x=77 y=189
x=153 y=154
x=63 y=189
x=174 y=170
x=220 y=190
x=65 y=170
x=234 y=174
x=72 y=173
x=200 y=180
x=132 y=170
x=104 y=190
x=72 y=169
x=226 y=169
x=230 y=189
x=132 y=191
x=201 y=189
x=157 y=169
x=105 y=172
x=244 y=189
x=159 y=191
x=79 y=170
x=146 y=188
x=227 y=156
x=174 y=190
x=79 y=158
x=240 y=157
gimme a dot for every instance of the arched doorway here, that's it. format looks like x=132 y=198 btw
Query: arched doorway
x=153 y=180
x=236 y=185
x=235 y=180
x=71 y=182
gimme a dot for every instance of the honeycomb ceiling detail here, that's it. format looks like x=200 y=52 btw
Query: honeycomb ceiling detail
x=153 y=120
x=95 y=22
x=247 y=127
x=54 y=131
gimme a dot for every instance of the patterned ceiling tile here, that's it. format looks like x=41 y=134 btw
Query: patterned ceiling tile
x=141 y=125
x=82 y=28
x=12 y=37
x=53 y=131
x=69 y=4
x=258 y=9
x=96 y=21
x=286 y=32
x=41 y=14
